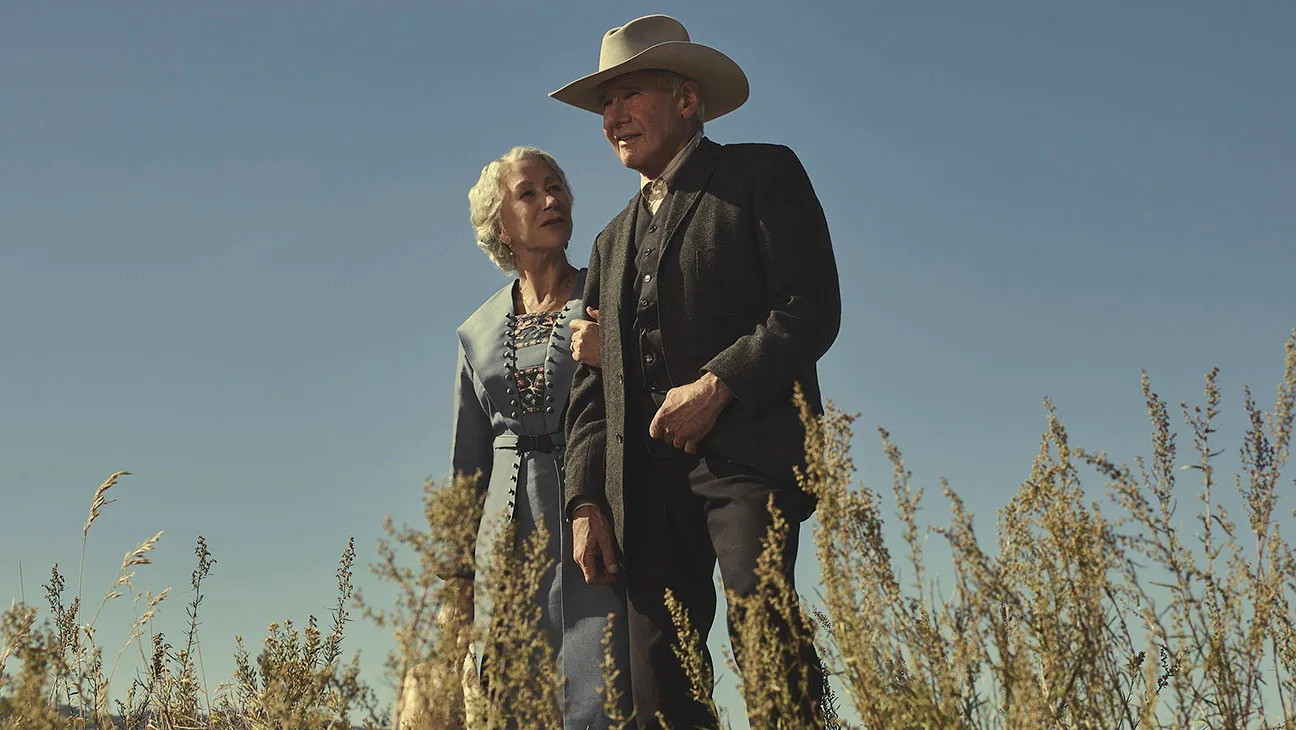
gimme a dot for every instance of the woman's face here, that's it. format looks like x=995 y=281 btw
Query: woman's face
x=536 y=210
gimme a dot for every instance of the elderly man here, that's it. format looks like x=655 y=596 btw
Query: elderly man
x=710 y=295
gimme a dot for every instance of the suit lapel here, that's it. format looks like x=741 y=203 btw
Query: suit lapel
x=688 y=185
x=617 y=278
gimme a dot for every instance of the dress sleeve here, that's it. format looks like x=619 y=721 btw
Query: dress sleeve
x=471 y=434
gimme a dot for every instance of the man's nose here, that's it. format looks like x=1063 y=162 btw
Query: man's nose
x=613 y=114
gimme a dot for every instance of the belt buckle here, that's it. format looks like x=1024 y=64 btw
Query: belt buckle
x=542 y=443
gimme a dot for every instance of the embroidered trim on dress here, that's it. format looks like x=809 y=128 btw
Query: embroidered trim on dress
x=533 y=329
x=530 y=384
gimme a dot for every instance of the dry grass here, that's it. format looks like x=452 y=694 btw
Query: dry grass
x=297 y=680
x=1074 y=620
x=1097 y=608
x=1077 y=620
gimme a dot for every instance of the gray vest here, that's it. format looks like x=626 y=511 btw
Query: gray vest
x=647 y=379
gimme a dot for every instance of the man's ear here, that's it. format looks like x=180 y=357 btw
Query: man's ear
x=689 y=91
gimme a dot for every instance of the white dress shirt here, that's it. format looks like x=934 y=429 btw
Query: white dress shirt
x=654 y=191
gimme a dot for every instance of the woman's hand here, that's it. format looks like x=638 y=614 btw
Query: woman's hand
x=456 y=613
x=428 y=685
x=586 y=339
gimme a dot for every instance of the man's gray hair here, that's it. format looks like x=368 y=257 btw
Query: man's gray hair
x=486 y=197
x=674 y=83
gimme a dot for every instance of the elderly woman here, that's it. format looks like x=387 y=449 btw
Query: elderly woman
x=515 y=369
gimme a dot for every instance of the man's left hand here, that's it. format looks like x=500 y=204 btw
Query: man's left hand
x=690 y=412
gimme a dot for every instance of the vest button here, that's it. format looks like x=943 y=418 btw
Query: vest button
x=652 y=228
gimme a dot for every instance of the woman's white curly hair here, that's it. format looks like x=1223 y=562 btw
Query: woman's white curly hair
x=486 y=197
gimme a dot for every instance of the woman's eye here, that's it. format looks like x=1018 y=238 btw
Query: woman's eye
x=528 y=195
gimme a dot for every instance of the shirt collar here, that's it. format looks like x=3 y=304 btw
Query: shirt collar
x=675 y=164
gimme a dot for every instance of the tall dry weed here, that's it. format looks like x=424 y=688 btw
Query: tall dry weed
x=519 y=684
x=1097 y=605
x=60 y=681
x=1075 y=619
x=431 y=617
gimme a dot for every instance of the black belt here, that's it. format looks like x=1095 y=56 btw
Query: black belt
x=524 y=443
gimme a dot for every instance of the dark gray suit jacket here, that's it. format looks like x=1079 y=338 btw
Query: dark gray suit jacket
x=747 y=290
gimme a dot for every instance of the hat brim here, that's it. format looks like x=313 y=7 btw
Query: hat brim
x=722 y=83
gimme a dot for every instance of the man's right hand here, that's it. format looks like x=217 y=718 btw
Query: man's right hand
x=592 y=547
x=585 y=342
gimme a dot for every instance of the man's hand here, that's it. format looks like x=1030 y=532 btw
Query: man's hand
x=585 y=344
x=690 y=412
x=592 y=547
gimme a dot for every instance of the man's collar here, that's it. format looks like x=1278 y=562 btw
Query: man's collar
x=668 y=174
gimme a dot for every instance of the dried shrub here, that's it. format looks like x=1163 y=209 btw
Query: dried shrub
x=1073 y=619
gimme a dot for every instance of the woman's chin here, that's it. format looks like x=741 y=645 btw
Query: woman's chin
x=557 y=238
x=549 y=245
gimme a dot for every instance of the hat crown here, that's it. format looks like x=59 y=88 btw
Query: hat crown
x=640 y=34
x=660 y=42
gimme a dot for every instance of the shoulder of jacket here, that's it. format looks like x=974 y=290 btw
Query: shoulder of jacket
x=757 y=147
x=487 y=317
x=757 y=152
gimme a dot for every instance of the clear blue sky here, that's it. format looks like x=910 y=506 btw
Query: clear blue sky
x=234 y=246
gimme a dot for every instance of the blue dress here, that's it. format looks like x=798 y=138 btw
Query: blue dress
x=514 y=376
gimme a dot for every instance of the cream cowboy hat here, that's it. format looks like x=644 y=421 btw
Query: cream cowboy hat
x=660 y=42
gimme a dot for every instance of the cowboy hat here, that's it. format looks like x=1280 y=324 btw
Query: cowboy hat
x=660 y=42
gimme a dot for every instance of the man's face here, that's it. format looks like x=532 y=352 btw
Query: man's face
x=644 y=124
